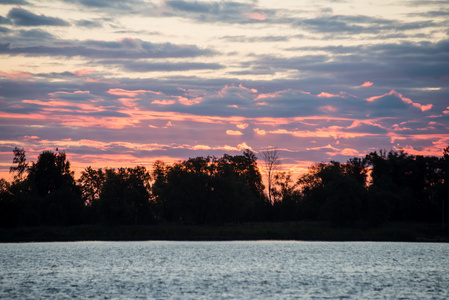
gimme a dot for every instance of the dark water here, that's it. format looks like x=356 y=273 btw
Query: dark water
x=211 y=270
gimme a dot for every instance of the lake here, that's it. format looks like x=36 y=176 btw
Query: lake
x=224 y=270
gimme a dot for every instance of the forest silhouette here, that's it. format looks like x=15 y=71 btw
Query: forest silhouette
x=363 y=192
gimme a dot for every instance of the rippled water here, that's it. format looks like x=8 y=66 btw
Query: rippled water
x=260 y=269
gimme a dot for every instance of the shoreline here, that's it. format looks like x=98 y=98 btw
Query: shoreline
x=301 y=231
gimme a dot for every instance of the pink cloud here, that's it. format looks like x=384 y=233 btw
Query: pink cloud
x=163 y=102
x=329 y=146
x=33 y=137
x=239 y=147
x=91 y=80
x=201 y=147
x=427 y=151
x=404 y=99
x=350 y=152
x=328 y=108
x=374 y=98
x=256 y=16
x=233 y=132
x=283 y=93
x=95 y=121
x=250 y=90
x=56 y=94
x=358 y=123
x=16 y=75
x=188 y=102
x=191 y=96
x=345 y=152
x=48 y=103
x=60 y=107
x=426 y=107
x=334 y=132
x=239 y=91
x=260 y=131
x=129 y=102
x=367 y=84
x=327 y=95
x=129 y=93
x=84 y=71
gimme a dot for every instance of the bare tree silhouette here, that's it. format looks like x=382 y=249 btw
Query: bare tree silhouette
x=271 y=165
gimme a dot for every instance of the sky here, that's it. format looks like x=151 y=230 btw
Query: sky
x=124 y=83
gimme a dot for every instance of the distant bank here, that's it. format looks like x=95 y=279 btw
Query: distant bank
x=307 y=231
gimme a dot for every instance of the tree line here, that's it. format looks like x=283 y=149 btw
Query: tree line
x=382 y=186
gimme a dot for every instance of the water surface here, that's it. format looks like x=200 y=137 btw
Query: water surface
x=224 y=270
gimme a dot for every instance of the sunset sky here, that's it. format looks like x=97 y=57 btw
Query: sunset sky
x=123 y=83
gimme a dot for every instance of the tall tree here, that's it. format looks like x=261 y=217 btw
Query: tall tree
x=271 y=165
x=20 y=160
x=52 y=196
x=50 y=172
x=125 y=197
x=91 y=183
x=205 y=190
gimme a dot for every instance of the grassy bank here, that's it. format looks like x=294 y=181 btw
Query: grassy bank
x=307 y=231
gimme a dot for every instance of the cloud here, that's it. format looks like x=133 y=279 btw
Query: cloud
x=143 y=66
x=4 y=20
x=22 y=17
x=255 y=39
x=357 y=24
x=432 y=13
x=115 y=5
x=336 y=134
x=260 y=131
x=382 y=101
x=367 y=84
x=327 y=95
x=124 y=48
x=5 y=30
x=13 y=2
x=88 y=24
x=128 y=93
x=73 y=96
x=223 y=11
x=16 y=75
x=34 y=34
x=394 y=65
x=295 y=77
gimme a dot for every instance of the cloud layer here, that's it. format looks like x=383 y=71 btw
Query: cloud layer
x=119 y=83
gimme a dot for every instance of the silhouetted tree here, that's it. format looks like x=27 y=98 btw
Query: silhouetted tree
x=53 y=186
x=125 y=197
x=207 y=190
x=50 y=172
x=9 y=208
x=48 y=194
x=20 y=160
x=91 y=183
x=410 y=182
x=271 y=165
x=286 y=197
x=334 y=192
